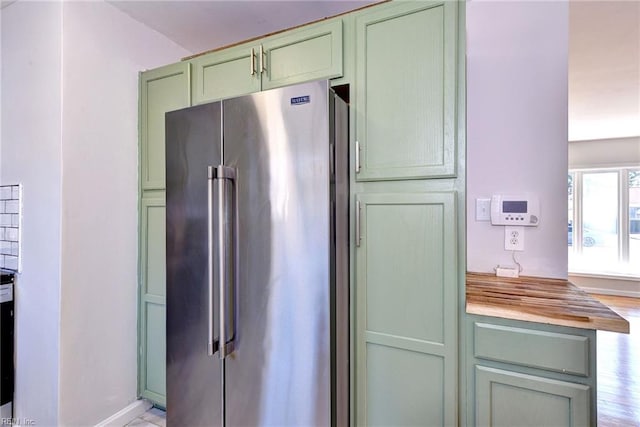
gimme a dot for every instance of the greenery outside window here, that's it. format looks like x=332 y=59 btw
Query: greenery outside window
x=603 y=233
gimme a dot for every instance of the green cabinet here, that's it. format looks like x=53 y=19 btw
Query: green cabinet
x=409 y=185
x=161 y=90
x=406 y=294
x=406 y=91
x=507 y=398
x=309 y=53
x=530 y=374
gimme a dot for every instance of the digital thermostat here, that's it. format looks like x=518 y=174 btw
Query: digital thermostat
x=515 y=210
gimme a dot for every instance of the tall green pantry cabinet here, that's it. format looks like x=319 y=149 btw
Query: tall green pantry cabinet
x=401 y=62
x=409 y=193
x=161 y=90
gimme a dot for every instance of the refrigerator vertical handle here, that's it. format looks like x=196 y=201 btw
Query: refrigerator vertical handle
x=226 y=243
x=212 y=340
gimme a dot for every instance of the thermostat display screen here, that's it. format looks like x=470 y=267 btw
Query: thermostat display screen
x=514 y=206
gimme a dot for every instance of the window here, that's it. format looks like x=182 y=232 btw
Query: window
x=604 y=221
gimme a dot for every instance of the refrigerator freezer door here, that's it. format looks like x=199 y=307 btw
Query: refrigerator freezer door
x=194 y=393
x=280 y=371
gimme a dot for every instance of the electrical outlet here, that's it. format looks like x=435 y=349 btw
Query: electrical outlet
x=514 y=238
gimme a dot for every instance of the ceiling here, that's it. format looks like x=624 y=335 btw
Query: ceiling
x=199 y=26
x=604 y=69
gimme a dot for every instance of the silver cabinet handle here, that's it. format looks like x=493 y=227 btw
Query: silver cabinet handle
x=357 y=157
x=358 y=212
x=212 y=341
x=253 y=61
x=263 y=60
x=226 y=243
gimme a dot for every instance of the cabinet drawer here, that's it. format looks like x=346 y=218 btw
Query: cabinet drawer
x=537 y=349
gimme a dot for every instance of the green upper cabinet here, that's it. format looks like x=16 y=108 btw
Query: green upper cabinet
x=161 y=90
x=309 y=53
x=406 y=91
x=225 y=74
x=406 y=316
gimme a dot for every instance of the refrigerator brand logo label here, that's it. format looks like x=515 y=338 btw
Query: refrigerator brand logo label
x=301 y=100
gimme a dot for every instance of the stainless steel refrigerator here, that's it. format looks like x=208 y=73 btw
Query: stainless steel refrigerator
x=257 y=260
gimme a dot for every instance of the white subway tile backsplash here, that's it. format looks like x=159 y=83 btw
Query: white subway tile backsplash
x=12 y=206
x=5 y=247
x=10 y=234
x=11 y=262
x=5 y=192
x=10 y=226
x=5 y=219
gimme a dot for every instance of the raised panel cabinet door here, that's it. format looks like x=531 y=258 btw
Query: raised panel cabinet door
x=406 y=309
x=161 y=90
x=505 y=398
x=311 y=53
x=152 y=336
x=406 y=91
x=226 y=74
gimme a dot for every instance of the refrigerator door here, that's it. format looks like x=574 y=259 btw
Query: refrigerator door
x=194 y=391
x=280 y=371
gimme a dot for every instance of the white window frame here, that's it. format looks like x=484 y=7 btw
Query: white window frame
x=623 y=220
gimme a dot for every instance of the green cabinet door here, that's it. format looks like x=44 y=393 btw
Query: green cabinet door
x=406 y=315
x=152 y=301
x=310 y=53
x=226 y=73
x=505 y=398
x=161 y=90
x=406 y=91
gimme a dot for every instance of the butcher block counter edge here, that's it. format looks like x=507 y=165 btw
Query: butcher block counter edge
x=542 y=300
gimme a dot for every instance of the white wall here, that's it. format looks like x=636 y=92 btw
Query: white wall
x=69 y=114
x=31 y=132
x=103 y=51
x=517 y=127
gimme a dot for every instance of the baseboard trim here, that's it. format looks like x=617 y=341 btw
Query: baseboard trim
x=127 y=414
x=607 y=286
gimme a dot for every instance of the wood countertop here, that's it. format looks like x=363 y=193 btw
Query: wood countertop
x=536 y=299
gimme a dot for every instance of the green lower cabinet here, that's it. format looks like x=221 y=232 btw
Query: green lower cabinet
x=406 y=290
x=507 y=399
x=530 y=374
x=152 y=373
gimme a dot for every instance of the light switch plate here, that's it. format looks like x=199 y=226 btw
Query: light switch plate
x=483 y=209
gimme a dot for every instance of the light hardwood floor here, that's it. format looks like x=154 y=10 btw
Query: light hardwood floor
x=619 y=367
